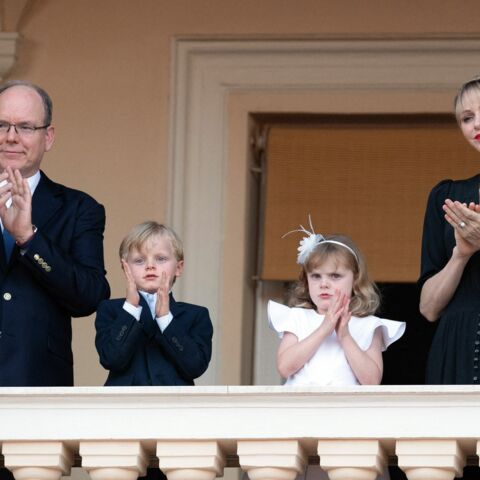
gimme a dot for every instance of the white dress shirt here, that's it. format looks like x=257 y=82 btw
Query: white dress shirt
x=151 y=298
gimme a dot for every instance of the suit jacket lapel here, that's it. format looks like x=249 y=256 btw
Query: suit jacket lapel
x=46 y=201
x=175 y=307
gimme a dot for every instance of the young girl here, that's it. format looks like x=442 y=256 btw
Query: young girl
x=330 y=336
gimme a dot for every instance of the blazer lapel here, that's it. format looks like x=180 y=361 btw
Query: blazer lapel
x=46 y=201
x=175 y=308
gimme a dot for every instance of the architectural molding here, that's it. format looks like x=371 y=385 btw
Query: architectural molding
x=208 y=71
x=8 y=52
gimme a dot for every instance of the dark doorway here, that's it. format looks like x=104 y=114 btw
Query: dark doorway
x=405 y=360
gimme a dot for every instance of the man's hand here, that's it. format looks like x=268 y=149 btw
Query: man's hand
x=18 y=218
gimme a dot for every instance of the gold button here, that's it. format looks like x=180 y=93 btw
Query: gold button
x=7 y=296
x=40 y=260
x=36 y=256
x=48 y=268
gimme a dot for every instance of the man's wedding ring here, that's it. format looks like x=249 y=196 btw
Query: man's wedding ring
x=462 y=224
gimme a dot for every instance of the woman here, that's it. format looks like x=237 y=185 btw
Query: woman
x=450 y=276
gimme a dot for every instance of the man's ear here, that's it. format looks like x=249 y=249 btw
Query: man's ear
x=49 y=137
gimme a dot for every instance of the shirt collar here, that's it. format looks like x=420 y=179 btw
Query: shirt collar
x=34 y=180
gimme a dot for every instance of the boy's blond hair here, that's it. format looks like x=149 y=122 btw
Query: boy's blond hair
x=140 y=234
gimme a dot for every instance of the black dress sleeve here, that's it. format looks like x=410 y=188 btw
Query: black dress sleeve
x=435 y=251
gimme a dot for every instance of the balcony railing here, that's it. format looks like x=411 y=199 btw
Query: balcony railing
x=270 y=432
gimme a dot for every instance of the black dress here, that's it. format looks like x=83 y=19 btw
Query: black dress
x=455 y=351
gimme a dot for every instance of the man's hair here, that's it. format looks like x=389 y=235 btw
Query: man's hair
x=140 y=234
x=46 y=100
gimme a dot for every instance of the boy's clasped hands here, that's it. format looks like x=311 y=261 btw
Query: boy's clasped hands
x=162 y=306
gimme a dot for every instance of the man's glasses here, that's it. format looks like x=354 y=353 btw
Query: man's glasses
x=22 y=129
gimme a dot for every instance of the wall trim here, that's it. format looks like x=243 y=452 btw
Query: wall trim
x=207 y=71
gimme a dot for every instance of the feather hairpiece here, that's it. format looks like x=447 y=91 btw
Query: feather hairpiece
x=308 y=243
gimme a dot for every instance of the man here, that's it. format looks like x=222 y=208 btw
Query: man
x=55 y=270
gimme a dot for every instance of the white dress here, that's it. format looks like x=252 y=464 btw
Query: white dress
x=329 y=365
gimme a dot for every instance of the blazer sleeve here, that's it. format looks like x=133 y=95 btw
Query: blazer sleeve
x=188 y=349
x=74 y=275
x=118 y=335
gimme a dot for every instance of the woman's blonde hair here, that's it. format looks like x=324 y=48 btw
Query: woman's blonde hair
x=365 y=296
x=471 y=86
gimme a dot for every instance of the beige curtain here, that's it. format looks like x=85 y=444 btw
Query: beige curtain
x=367 y=178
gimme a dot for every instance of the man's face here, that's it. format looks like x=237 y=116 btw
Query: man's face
x=21 y=105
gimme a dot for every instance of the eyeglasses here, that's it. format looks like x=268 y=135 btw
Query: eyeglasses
x=22 y=129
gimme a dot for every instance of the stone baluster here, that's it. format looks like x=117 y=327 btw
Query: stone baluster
x=430 y=459
x=114 y=460
x=271 y=459
x=37 y=460
x=352 y=459
x=191 y=460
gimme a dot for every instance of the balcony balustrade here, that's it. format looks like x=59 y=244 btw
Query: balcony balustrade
x=271 y=433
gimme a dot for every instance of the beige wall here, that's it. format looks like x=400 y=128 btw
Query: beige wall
x=107 y=65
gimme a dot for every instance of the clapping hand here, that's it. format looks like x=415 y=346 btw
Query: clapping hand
x=132 y=295
x=465 y=220
x=341 y=327
x=338 y=315
x=17 y=219
x=163 y=302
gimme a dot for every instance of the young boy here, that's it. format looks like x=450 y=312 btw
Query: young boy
x=148 y=338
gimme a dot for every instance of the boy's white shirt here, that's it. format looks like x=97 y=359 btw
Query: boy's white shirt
x=151 y=298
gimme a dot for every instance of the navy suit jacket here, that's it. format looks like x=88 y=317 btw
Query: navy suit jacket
x=138 y=353
x=61 y=275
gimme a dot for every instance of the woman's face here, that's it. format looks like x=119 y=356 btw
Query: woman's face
x=468 y=114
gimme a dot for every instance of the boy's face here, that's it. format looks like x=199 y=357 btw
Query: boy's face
x=147 y=265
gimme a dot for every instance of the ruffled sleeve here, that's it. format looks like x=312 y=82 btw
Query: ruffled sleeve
x=281 y=318
x=363 y=329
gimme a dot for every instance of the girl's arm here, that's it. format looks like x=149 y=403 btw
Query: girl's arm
x=293 y=355
x=367 y=366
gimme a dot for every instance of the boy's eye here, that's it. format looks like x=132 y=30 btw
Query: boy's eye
x=336 y=275
x=315 y=275
x=162 y=259
x=138 y=261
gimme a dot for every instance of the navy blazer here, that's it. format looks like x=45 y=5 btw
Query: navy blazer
x=138 y=353
x=61 y=275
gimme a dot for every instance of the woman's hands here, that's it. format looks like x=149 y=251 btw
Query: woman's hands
x=465 y=220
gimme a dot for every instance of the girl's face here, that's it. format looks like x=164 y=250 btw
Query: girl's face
x=469 y=118
x=325 y=280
